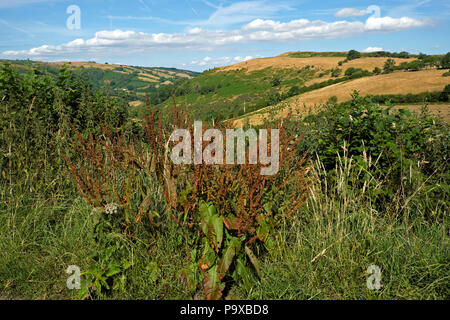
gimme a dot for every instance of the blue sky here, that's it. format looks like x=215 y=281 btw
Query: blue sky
x=201 y=34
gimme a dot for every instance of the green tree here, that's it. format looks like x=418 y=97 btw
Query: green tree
x=293 y=91
x=445 y=62
x=445 y=95
x=353 y=54
x=389 y=66
x=376 y=70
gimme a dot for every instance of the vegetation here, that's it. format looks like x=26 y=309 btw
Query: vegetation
x=358 y=185
x=424 y=97
x=130 y=82
x=353 y=54
x=232 y=93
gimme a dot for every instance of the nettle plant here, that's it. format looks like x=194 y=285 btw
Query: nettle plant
x=231 y=210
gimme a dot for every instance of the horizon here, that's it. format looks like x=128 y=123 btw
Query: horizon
x=202 y=35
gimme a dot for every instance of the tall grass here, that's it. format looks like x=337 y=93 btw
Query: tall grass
x=321 y=253
x=325 y=251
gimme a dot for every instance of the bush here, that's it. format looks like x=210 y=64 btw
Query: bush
x=353 y=54
x=376 y=70
x=445 y=95
x=389 y=66
x=336 y=72
x=445 y=62
x=395 y=140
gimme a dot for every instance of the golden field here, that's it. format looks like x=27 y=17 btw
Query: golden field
x=393 y=83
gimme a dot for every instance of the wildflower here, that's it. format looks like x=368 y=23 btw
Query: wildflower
x=111 y=208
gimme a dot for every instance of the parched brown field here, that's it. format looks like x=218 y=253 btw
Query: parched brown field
x=135 y=103
x=393 y=83
x=319 y=63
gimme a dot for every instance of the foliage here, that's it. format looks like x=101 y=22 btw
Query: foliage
x=228 y=93
x=354 y=73
x=423 y=97
x=336 y=72
x=353 y=54
x=445 y=62
x=398 y=141
x=234 y=205
x=36 y=109
x=376 y=193
x=389 y=66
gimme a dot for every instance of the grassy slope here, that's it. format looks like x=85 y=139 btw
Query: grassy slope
x=321 y=63
x=229 y=92
x=394 y=83
x=246 y=88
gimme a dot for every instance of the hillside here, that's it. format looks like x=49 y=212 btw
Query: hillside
x=84 y=183
x=250 y=89
x=320 y=63
x=120 y=77
x=393 y=83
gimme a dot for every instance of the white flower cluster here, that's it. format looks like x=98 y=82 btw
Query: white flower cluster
x=111 y=208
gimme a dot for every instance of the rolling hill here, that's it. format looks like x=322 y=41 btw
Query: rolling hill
x=393 y=83
x=120 y=77
x=269 y=87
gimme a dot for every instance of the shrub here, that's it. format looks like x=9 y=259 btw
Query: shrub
x=397 y=140
x=234 y=206
x=353 y=54
x=445 y=95
x=376 y=70
x=445 y=62
x=336 y=72
x=389 y=66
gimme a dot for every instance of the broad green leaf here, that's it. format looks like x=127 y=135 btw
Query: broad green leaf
x=209 y=255
x=217 y=225
x=212 y=286
x=254 y=260
x=227 y=258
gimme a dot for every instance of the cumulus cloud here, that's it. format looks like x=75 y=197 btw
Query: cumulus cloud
x=350 y=12
x=127 y=41
x=372 y=49
x=218 y=62
x=387 y=24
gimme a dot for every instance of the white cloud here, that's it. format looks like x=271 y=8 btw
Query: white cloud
x=194 y=31
x=350 y=12
x=387 y=24
x=218 y=62
x=297 y=30
x=122 y=42
x=372 y=49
